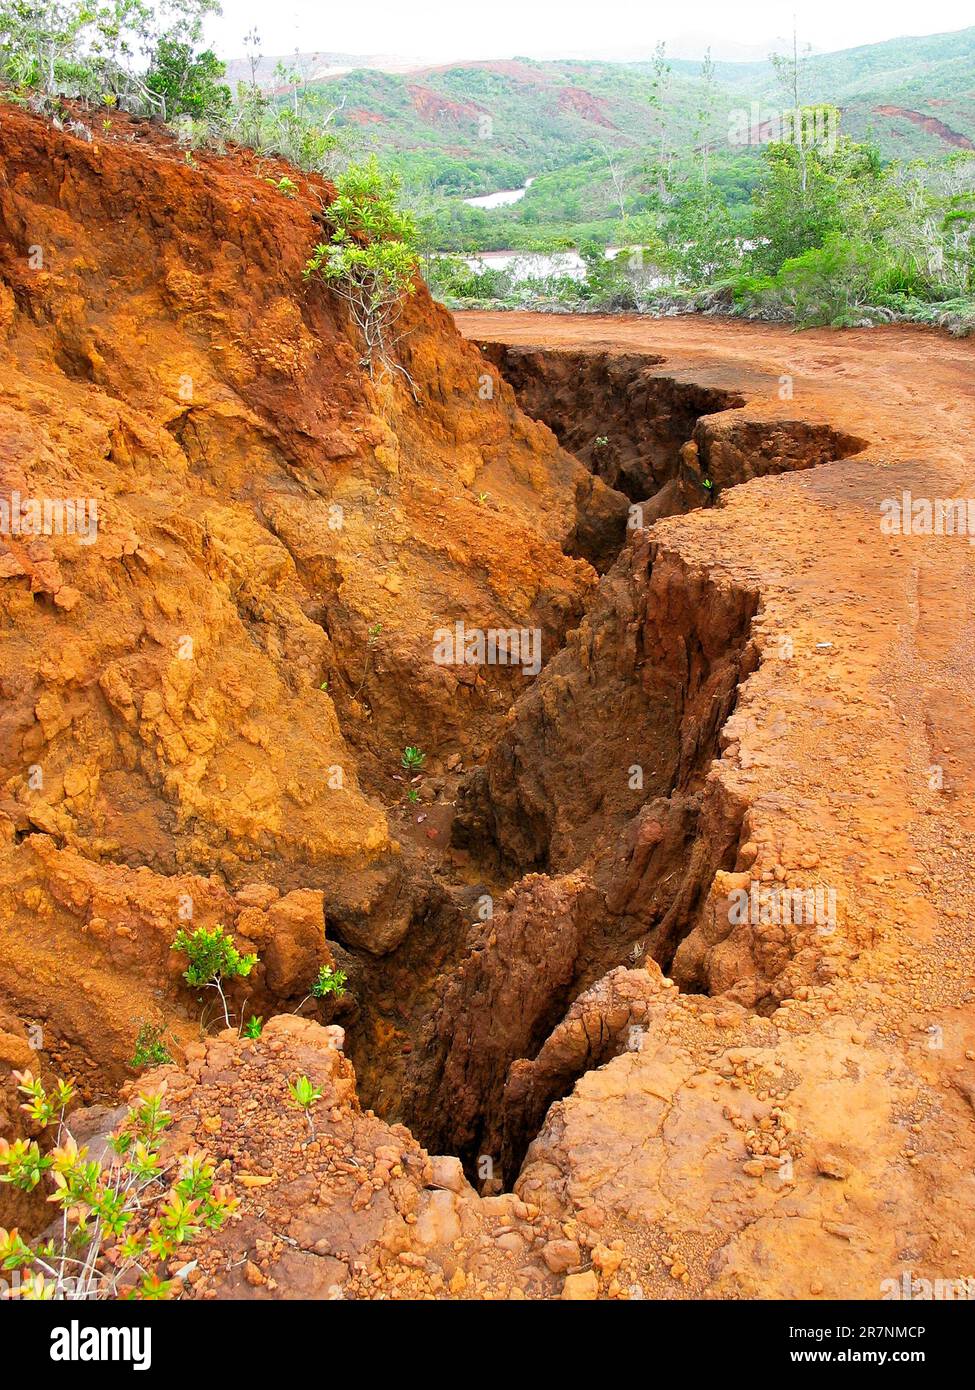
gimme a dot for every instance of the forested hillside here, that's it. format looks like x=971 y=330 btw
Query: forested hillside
x=582 y=131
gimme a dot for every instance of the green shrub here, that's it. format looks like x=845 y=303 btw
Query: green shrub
x=830 y=285
x=371 y=258
x=451 y=278
x=213 y=959
x=150 y=1050
x=188 y=82
x=329 y=981
x=123 y=1220
x=606 y=282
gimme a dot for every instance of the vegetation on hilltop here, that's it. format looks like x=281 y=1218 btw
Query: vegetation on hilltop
x=818 y=228
x=829 y=236
x=149 y=60
x=811 y=226
x=121 y=52
x=468 y=129
x=111 y=50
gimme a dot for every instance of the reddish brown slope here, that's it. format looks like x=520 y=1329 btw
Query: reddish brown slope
x=164 y=733
x=931 y=124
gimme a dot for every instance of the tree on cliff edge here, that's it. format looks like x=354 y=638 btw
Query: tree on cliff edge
x=188 y=82
x=371 y=258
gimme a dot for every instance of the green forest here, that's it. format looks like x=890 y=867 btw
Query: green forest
x=709 y=197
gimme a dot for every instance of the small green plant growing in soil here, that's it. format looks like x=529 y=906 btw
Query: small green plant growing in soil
x=254 y=1026
x=123 y=1218
x=327 y=981
x=412 y=758
x=213 y=959
x=150 y=1050
x=303 y=1095
x=600 y=442
x=284 y=185
x=330 y=981
x=413 y=796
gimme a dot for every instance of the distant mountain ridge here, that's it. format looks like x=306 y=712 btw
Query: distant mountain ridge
x=913 y=95
x=318 y=66
x=582 y=130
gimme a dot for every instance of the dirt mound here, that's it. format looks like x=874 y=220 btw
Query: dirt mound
x=342 y=1206
x=331 y=1202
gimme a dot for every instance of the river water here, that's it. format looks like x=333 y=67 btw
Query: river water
x=538 y=265
x=526 y=265
x=530 y=265
x=502 y=198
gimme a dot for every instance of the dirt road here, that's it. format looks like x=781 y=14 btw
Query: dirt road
x=852 y=746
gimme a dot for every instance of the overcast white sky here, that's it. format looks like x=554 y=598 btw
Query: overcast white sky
x=448 y=29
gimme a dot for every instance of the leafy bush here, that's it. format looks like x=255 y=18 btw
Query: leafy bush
x=450 y=277
x=122 y=1223
x=830 y=285
x=329 y=981
x=606 y=282
x=213 y=958
x=307 y=143
x=371 y=258
x=150 y=1050
x=188 y=82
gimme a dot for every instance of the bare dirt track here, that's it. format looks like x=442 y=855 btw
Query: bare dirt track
x=850 y=748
